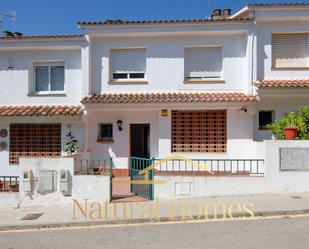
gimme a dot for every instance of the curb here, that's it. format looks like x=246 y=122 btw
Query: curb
x=146 y=221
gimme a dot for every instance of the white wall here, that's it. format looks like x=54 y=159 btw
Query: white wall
x=264 y=56
x=120 y=148
x=274 y=180
x=240 y=142
x=94 y=188
x=36 y=164
x=165 y=62
x=14 y=84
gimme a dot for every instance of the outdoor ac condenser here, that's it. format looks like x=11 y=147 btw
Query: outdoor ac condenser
x=64 y=182
x=27 y=181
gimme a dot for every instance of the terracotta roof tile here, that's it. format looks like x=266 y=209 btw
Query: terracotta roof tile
x=122 y=22
x=10 y=111
x=155 y=98
x=293 y=4
x=292 y=83
x=24 y=37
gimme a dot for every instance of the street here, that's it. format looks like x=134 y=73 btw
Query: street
x=270 y=233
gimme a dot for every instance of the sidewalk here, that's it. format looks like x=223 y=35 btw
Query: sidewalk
x=178 y=209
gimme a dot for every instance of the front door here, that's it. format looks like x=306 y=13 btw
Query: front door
x=139 y=140
x=140 y=153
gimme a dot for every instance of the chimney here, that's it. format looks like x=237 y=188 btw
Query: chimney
x=226 y=13
x=8 y=34
x=216 y=13
x=18 y=34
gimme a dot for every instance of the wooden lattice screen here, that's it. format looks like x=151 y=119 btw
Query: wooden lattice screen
x=199 y=131
x=34 y=140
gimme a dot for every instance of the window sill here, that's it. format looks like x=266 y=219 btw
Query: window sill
x=204 y=81
x=56 y=93
x=263 y=129
x=105 y=141
x=290 y=68
x=115 y=82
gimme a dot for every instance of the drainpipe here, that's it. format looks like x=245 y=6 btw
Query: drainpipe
x=253 y=57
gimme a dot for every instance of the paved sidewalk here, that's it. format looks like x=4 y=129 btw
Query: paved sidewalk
x=159 y=210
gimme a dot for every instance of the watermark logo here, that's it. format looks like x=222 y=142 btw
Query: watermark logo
x=179 y=209
x=155 y=210
x=145 y=172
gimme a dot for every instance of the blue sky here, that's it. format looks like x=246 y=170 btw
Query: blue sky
x=41 y=17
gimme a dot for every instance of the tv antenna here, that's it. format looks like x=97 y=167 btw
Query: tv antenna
x=3 y=15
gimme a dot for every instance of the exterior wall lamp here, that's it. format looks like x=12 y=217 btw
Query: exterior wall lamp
x=119 y=124
x=243 y=110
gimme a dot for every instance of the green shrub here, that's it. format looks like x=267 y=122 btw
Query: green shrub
x=299 y=119
x=304 y=122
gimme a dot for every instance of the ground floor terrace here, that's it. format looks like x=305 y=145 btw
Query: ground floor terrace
x=223 y=132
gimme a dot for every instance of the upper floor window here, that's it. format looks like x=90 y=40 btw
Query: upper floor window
x=203 y=63
x=290 y=50
x=128 y=64
x=49 y=77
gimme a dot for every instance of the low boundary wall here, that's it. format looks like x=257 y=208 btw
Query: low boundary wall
x=274 y=180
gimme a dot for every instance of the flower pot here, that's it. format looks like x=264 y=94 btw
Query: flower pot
x=290 y=133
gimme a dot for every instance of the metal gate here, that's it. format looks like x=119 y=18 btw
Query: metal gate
x=141 y=184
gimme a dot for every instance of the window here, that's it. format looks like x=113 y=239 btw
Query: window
x=48 y=77
x=105 y=132
x=200 y=131
x=265 y=118
x=203 y=63
x=128 y=64
x=41 y=140
x=290 y=50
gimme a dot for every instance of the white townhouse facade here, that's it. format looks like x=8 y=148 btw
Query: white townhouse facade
x=150 y=89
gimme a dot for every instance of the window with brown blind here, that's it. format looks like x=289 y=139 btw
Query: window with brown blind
x=34 y=140
x=199 y=131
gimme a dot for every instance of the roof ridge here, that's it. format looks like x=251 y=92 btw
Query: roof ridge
x=175 y=21
x=283 y=4
x=180 y=97
x=41 y=36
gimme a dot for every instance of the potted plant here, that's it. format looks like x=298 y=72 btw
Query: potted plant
x=71 y=145
x=291 y=129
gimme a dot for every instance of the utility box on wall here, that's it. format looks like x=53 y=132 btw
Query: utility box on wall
x=27 y=181
x=294 y=159
x=64 y=182
x=47 y=181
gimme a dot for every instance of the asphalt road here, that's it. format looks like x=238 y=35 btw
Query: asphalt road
x=277 y=233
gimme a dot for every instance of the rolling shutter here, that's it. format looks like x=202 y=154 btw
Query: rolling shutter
x=203 y=62
x=128 y=60
x=289 y=50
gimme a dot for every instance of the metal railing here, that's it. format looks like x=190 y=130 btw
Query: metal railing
x=92 y=166
x=144 y=189
x=241 y=167
x=9 y=183
x=139 y=163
